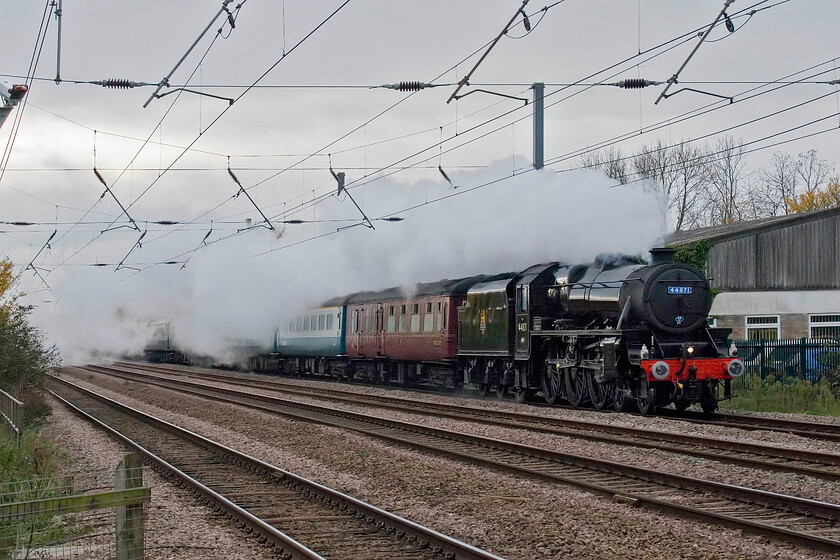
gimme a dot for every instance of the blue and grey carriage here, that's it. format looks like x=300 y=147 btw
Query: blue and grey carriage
x=312 y=342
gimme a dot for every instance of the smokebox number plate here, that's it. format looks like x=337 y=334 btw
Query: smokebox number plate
x=679 y=289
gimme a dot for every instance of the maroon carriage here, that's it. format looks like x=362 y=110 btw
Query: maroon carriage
x=407 y=335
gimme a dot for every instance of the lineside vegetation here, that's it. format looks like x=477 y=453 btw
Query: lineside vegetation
x=24 y=362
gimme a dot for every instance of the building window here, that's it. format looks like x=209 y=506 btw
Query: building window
x=763 y=328
x=824 y=326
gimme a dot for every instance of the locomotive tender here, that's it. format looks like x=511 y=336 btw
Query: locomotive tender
x=615 y=332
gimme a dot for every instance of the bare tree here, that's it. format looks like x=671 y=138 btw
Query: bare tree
x=610 y=161
x=694 y=175
x=727 y=176
x=778 y=183
x=656 y=163
x=678 y=172
x=812 y=170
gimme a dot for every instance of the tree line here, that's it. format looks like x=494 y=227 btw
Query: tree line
x=711 y=184
x=24 y=356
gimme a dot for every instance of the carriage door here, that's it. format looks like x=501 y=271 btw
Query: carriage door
x=523 y=336
x=357 y=330
x=380 y=330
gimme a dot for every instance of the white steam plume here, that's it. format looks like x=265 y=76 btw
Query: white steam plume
x=227 y=293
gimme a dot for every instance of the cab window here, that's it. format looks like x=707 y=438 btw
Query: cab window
x=522 y=298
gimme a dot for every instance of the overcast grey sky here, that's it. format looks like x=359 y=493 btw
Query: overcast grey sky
x=281 y=137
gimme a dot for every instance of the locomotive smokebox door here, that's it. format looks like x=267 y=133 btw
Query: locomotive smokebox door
x=523 y=335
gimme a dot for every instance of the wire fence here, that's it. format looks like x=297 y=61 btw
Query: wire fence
x=75 y=517
x=799 y=358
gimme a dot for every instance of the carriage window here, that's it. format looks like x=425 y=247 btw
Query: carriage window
x=429 y=307
x=415 y=317
x=403 y=320
x=292 y=325
x=369 y=320
x=313 y=322
x=330 y=322
x=299 y=326
x=306 y=323
x=392 y=320
x=428 y=319
x=322 y=322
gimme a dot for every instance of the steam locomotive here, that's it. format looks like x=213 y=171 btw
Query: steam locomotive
x=616 y=332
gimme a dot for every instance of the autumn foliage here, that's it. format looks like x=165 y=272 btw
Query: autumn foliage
x=818 y=199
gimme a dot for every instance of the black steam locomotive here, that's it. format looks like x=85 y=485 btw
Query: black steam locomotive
x=616 y=332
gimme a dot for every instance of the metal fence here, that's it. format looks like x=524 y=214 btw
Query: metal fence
x=799 y=358
x=11 y=414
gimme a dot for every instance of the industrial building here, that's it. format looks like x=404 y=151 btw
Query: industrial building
x=775 y=278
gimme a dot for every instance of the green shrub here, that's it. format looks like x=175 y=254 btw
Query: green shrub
x=29 y=458
x=28 y=469
x=787 y=394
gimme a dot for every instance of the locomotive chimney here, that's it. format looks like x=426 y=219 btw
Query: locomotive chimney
x=661 y=255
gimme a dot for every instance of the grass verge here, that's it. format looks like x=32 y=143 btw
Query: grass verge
x=791 y=395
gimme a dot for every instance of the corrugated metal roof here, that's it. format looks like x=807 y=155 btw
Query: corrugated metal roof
x=741 y=229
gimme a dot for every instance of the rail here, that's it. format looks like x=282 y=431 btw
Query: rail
x=806 y=522
x=287 y=510
x=11 y=410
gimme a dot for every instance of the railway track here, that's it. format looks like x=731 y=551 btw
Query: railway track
x=814 y=430
x=806 y=522
x=304 y=519
x=763 y=456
